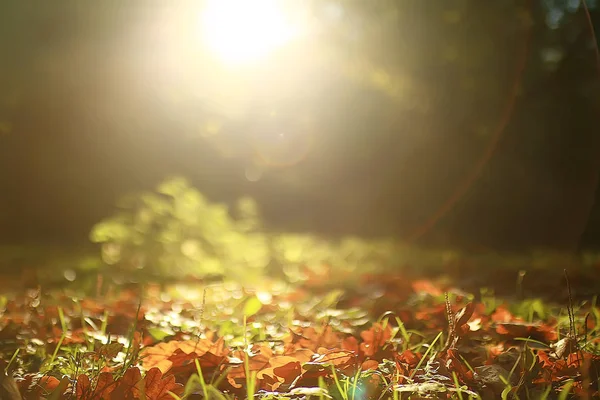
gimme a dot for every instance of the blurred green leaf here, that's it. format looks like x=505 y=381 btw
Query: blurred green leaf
x=159 y=334
x=252 y=306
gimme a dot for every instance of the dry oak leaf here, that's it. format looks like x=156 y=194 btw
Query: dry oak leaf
x=433 y=317
x=408 y=358
x=341 y=359
x=535 y=331
x=33 y=386
x=8 y=387
x=281 y=370
x=369 y=365
x=351 y=344
x=321 y=365
x=83 y=388
x=129 y=386
x=102 y=390
x=502 y=314
x=109 y=351
x=43 y=388
x=105 y=384
x=164 y=356
x=464 y=315
x=185 y=363
x=258 y=359
x=157 y=386
x=302 y=355
x=313 y=338
x=375 y=338
x=426 y=286
x=48 y=383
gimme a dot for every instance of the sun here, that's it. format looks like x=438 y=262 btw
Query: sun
x=242 y=31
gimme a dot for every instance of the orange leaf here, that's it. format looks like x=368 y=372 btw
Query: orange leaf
x=282 y=369
x=501 y=314
x=287 y=370
x=426 y=287
x=409 y=358
x=258 y=360
x=369 y=365
x=375 y=338
x=341 y=359
x=350 y=344
x=48 y=383
x=522 y=329
x=164 y=356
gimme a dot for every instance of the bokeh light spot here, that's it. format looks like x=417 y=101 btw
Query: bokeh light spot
x=253 y=173
x=240 y=31
x=70 y=275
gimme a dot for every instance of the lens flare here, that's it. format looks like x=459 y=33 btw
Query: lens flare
x=241 y=31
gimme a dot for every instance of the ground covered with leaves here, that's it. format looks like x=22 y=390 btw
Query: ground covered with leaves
x=388 y=337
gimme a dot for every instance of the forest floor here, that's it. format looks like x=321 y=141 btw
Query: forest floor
x=381 y=336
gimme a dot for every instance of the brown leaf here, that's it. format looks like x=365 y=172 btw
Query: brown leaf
x=369 y=365
x=110 y=351
x=313 y=338
x=374 y=338
x=409 y=358
x=258 y=360
x=60 y=389
x=502 y=314
x=127 y=387
x=175 y=353
x=341 y=359
x=350 y=344
x=105 y=385
x=48 y=383
x=526 y=330
x=282 y=369
x=464 y=315
x=284 y=365
x=426 y=286
x=158 y=386
x=83 y=388
x=564 y=347
x=8 y=388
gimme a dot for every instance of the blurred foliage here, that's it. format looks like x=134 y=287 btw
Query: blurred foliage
x=176 y=231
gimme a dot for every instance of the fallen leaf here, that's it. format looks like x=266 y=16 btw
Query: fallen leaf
x=83 y=388
x=175 y=353
x=105 y=385
x=8 y=388
x=127 y=387
x=375 y=338
x=564 y=347
x=464 y=315
x=157 y=386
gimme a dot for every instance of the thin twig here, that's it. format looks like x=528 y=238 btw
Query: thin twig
x=451 y=323
x=570 y=307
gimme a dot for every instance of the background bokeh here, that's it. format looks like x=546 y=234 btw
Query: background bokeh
x=469 y=124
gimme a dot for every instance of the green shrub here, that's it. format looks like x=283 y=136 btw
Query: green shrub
x=175 y=231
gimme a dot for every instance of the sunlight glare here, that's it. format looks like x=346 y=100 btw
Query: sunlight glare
x=241 y=31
